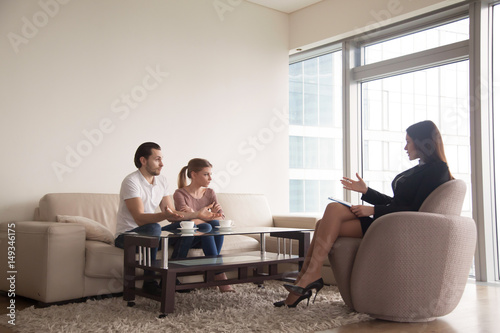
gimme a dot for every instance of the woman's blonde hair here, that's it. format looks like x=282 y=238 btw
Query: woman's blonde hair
x=196 y=165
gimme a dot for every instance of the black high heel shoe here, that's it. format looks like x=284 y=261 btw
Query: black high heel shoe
x=300 y=299
x=318 y=285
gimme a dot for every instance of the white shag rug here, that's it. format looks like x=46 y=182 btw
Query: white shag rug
x=250 y=309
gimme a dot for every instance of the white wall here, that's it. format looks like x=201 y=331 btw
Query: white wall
x=73 y=67
x=332 y=20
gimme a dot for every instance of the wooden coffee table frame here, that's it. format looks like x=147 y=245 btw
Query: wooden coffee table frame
x=253 y=267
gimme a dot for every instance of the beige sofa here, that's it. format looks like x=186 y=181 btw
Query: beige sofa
x=57 y=261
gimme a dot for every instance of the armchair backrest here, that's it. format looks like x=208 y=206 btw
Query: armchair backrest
x=447 y=199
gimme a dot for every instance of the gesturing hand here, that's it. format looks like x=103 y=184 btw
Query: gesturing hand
x=352 y=185
x=206 y=213
x=170 y=215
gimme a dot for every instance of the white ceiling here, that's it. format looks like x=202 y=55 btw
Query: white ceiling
x=285 y=6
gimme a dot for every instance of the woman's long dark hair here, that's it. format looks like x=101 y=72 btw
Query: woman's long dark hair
x=427 y=139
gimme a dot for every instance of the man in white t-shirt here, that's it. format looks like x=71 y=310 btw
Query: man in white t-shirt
x=141 y=193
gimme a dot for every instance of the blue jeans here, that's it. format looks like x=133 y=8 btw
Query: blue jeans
x=211 y=245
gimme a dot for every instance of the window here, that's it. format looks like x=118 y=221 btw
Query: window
x=315 y=131
x=392 y=104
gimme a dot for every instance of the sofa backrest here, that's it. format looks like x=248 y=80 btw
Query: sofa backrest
x=447 y=199
x=245 y=209
x=99 y=207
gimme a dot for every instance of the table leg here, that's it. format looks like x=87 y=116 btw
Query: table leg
x=132 y=242
x=129 y=270
x=164 y=249
x=262 y=244
x=304 y=238
x=167 y=293
x=304 y=243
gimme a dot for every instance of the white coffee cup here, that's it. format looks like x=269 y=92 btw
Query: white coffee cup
x=226 y=223
x=187 y=224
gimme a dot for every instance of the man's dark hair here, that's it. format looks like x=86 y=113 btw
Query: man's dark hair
x=144 y=150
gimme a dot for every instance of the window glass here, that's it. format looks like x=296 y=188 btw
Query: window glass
x=296 y=93
x=316 y=157
x=420 y=41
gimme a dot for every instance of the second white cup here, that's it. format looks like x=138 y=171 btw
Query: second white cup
x=226 y=223
x=187 y=224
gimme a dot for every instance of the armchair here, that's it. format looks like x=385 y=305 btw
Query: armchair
x=409 y=266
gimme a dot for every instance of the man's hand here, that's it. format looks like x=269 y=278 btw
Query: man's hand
x=361 y=210
x=170 y=215
x=357 y=186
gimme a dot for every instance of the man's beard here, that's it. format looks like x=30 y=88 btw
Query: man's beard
x=152 y=171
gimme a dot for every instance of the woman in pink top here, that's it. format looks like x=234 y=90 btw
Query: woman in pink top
x=190 y=198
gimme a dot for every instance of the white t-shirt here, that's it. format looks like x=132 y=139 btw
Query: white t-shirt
x=136 y=186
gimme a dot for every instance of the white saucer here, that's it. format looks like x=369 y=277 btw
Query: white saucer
x=187 y=229
x=218 y=226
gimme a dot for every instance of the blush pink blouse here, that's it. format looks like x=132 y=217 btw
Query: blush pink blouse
x=182 y=199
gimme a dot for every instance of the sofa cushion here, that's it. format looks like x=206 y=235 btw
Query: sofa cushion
x=239 y=243
x=103 y=260
x=93 y=230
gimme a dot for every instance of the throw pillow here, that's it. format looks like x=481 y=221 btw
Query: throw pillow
x=93 y=230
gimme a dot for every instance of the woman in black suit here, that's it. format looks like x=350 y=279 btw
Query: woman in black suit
x=411 y=187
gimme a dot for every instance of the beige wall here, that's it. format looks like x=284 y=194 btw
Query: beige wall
x=83 y=83
x=331 y=20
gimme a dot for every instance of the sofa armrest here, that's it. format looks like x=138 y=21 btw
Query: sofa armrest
x=49 y=260
x=290 y=221
x=293 y=221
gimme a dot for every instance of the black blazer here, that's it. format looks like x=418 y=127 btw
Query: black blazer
x=410 y=188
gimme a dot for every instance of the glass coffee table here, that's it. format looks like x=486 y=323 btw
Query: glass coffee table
x=255 y=266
